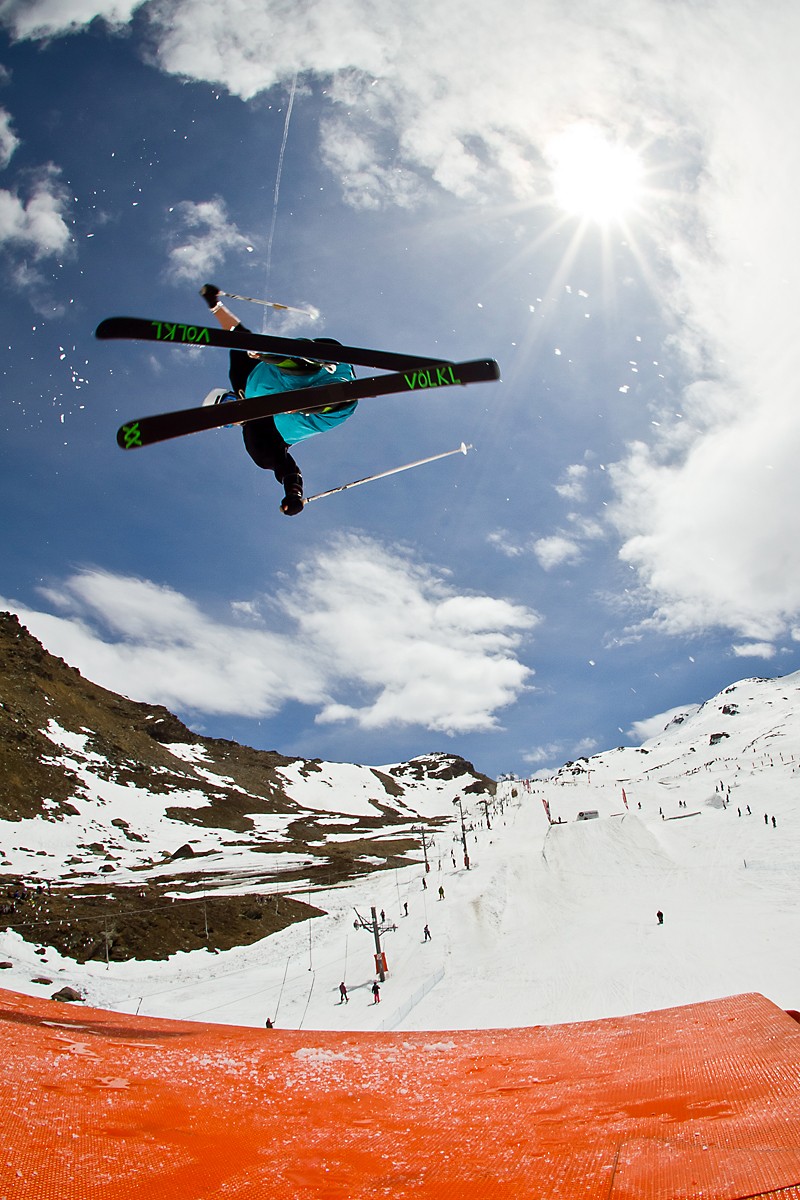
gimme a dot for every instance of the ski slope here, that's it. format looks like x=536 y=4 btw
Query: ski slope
x=552 y=922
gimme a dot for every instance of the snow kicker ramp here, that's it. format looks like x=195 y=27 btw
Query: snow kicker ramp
x=687 y=1102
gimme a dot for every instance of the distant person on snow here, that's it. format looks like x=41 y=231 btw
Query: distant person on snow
x=268 y=439
x=376 y=992
x=660 y=917
x=343 y=996
x=427 y=934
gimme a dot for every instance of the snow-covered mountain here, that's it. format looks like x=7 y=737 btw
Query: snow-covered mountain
x=555 y=919
x=97 y=787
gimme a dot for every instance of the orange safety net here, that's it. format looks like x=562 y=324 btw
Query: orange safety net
x=698 y=1101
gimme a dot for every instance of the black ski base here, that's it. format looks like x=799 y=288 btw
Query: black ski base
x=163 y=426
x=173 y=333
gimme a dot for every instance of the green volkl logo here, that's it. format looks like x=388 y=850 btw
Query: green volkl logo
x=132 y=435
x=170 y=331
x=431 y=377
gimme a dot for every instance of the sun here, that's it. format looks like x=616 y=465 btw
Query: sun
x=596 y=179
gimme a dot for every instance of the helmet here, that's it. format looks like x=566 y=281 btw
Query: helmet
x=308 y=365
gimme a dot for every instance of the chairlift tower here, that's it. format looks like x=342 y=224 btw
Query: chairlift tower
x=377 y=929
x=421 y=832
x=463 y=831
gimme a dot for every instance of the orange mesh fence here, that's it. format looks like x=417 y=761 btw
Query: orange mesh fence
x=699 y=1101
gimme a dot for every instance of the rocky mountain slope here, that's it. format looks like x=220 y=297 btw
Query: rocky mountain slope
x=108 y=807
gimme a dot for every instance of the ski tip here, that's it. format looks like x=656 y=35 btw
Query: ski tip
x=129 y=437
x=103 y=328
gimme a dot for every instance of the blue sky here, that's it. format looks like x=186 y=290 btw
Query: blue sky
x=602 y=201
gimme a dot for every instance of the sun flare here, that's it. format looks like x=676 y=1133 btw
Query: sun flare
x=594 y=178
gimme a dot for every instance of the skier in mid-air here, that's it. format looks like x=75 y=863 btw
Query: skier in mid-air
x=268 y=439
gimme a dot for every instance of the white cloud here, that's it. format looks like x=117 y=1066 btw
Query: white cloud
x=206 y=235
x=368 y=178
x=152 y=643
x=39 y=18
x=709 y=513
x=543 y=754
x=555 y=551
x=715 y=537
x=424 y=653
x=584 y=748
x=36 y=224
x=573 y=483
x=378 y=640
x=8 y=139
x=754 y=650
x=245 y=608
x=503 y=541
x=585 y=529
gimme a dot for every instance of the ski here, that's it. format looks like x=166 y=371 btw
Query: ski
x=174 y=333
x=163 y=426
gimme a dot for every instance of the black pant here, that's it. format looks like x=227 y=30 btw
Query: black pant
x=262 y=441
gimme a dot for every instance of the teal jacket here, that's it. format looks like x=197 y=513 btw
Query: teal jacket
x=267 y=378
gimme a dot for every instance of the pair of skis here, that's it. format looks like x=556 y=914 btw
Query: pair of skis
x=410 y=373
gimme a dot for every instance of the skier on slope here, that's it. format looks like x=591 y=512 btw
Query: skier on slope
x=268 y=439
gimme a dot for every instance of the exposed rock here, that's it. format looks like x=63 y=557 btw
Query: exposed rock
x=184 y=851
x=66 y=995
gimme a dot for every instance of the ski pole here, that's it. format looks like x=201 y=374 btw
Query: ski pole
x=270 y=304
x=462 y=449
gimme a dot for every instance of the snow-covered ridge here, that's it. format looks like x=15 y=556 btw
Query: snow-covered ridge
x=748 y=727
x=97 y=783
x=138 y=827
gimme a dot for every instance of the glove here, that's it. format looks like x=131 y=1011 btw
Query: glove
x=291 y=505
x=210 y=294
